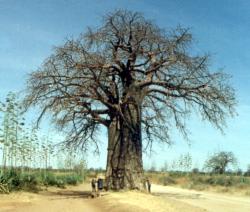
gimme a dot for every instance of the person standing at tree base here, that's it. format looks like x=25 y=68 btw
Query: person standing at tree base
x=148 y=185
x=93 y=185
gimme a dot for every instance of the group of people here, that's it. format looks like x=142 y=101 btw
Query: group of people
x=97 y=185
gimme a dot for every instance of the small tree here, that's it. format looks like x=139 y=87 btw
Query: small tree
x=185 y=162
x=247 y=173
x=195 y=171
x=218 y=162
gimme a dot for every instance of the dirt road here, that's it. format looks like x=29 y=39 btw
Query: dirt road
x=72 y=199
x=77 y=199
x=211 y=202
x=163 y=199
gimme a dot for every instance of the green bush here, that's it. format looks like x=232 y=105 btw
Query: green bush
x=71 y=180
x=177 y=174
x=29 y=182
x=15 y=180
x=50 y=179
x=12 y=180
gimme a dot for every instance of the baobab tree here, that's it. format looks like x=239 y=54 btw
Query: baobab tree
x=218 y=162
x=134 y=78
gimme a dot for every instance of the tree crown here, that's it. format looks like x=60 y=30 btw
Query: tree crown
x=128 y=60
x=219 y=161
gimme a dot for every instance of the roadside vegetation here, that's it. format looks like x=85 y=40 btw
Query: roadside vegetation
x=228 y=182
x=14 y=179
x=28 y=156
x=220 y=173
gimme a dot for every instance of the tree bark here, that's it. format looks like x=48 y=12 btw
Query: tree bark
x=124 y=161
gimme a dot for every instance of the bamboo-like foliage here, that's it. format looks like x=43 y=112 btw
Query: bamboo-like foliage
x=20 y=145
x=24 y=152
x=12 y=126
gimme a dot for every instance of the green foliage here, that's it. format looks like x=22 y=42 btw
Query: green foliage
x=50 y=179
x=17 y=180
x=195 y=171
x=72 y=179
x=29 y=182
x=11 y=126
x=247 y=173
x=185 y=162
x=24 y=151
x=176 y=174
x=218 y=162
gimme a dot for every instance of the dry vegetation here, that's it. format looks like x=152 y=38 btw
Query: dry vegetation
x=230 y=183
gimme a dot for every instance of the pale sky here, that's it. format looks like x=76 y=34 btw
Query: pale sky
x=30 y=28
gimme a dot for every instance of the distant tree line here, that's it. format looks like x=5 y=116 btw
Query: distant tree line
x=218 y=163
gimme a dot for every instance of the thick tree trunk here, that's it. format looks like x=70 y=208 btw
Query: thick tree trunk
x=124 y=162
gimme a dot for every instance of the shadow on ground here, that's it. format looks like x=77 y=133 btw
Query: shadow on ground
x=69 y=194
x=178 y=196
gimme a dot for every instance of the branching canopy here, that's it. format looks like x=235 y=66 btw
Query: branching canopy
x=87 y=81
x=218 y=162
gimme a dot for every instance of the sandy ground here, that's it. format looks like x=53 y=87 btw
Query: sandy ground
x=162 y=199
x=78 y=198
x=72 y=199
x=133 y=201
x=209 y=201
